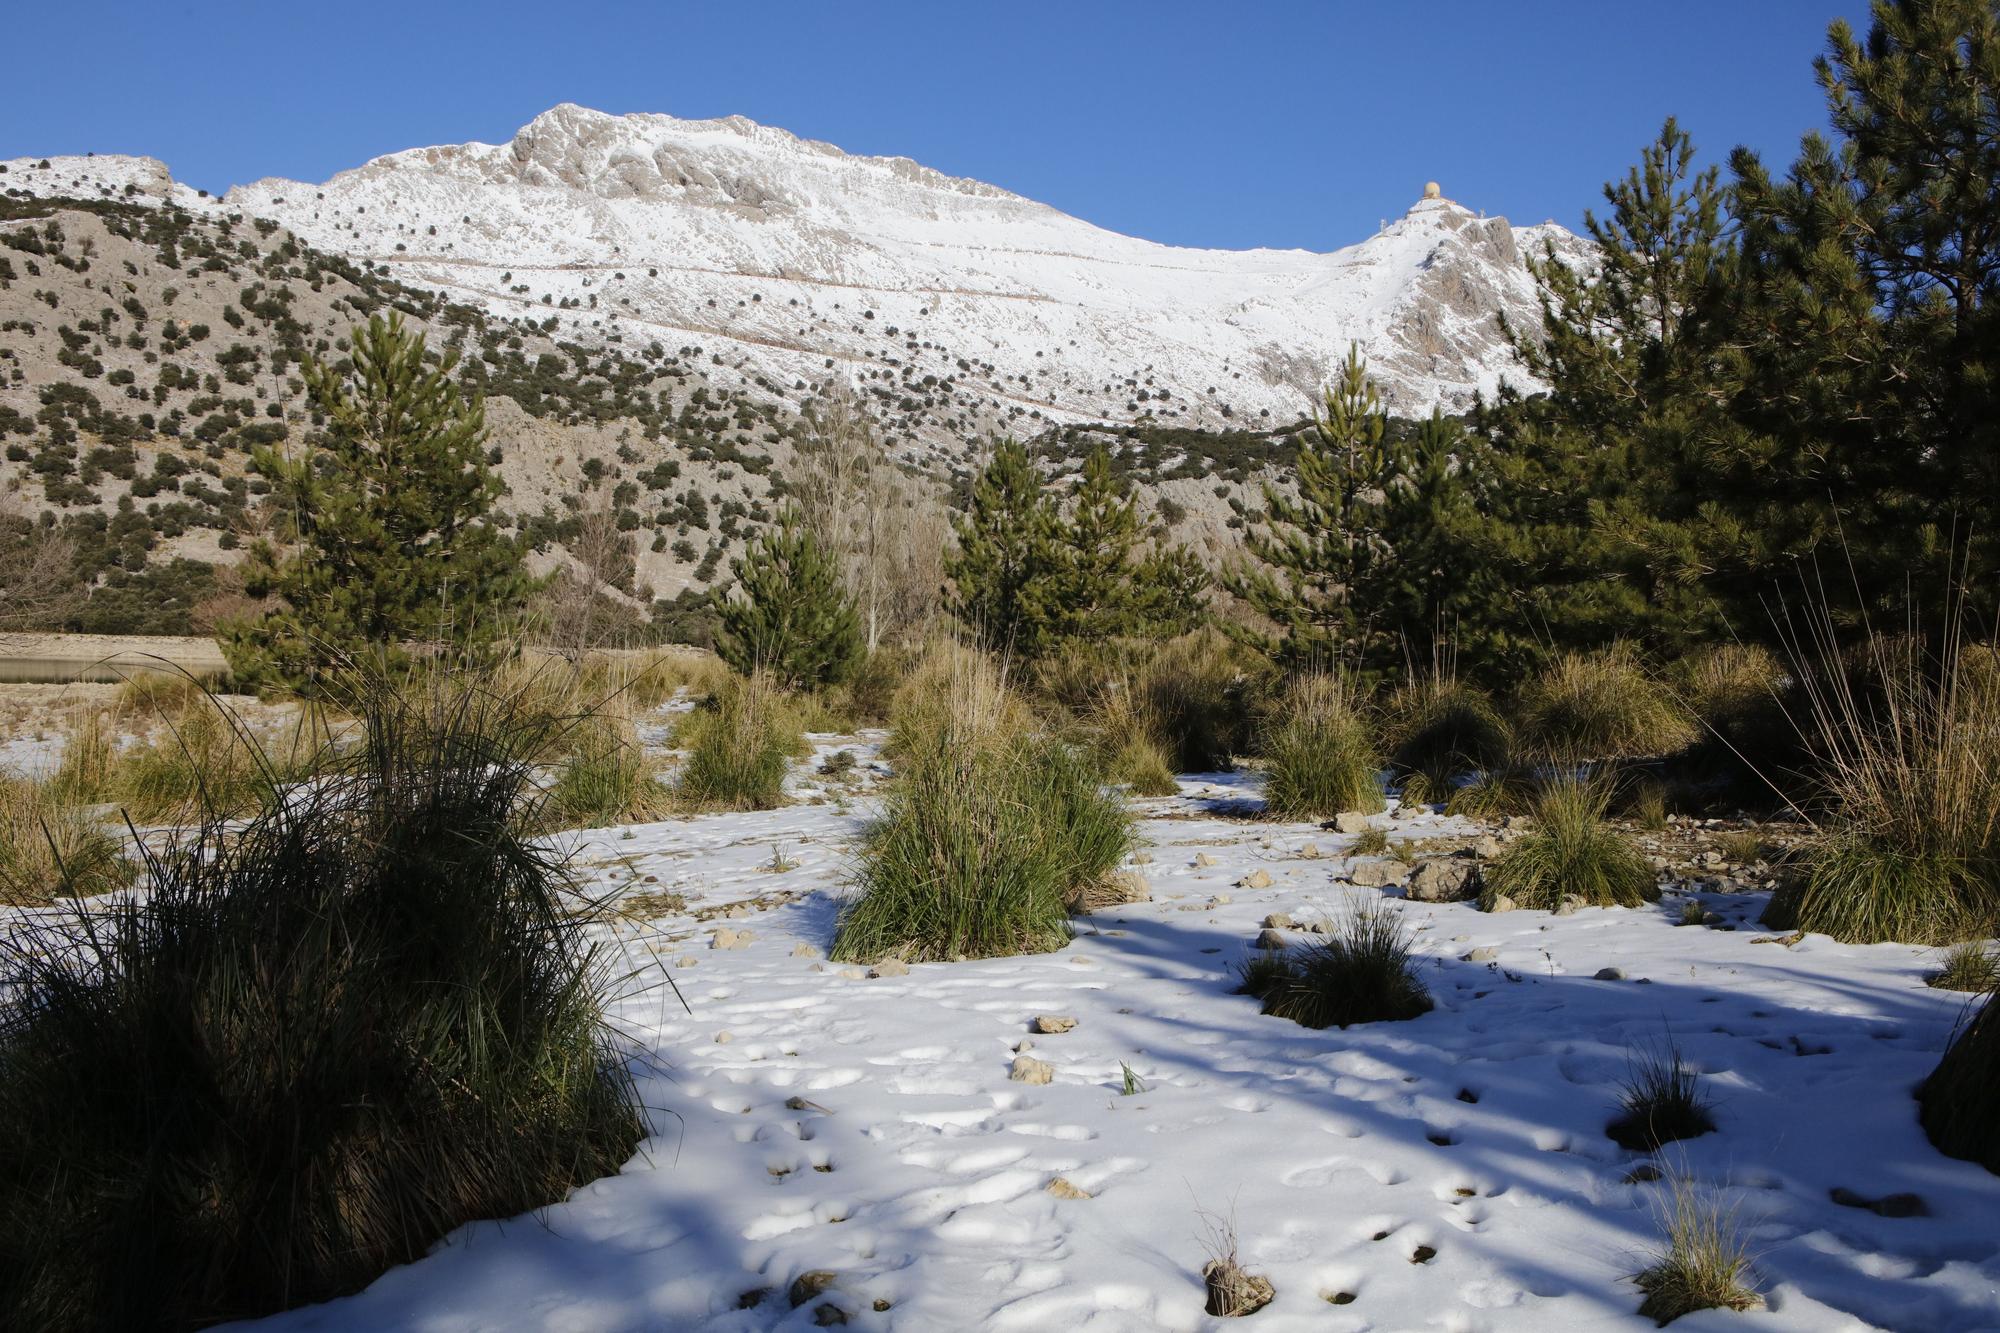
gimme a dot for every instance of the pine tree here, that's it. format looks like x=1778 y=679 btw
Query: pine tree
x=1631 y=499
x=1319 y=555
x=1874 y=268
x=1003 y=552
x=1097 y=584
x=387 y=544
x=790 y=614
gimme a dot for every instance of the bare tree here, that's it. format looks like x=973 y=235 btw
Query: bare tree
x=39 y=586
x=846 y=487
x=600 y=557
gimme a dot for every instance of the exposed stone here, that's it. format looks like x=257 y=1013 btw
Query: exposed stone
x=1279 y=921
x=804 y=951
x=729 y=938
x=1350 y=821
x=1051 y=1024
x=1256 y=879
x=810 y=1284
x=1062 y=1189
x=1502 y=903
x=1450 y=879
x=724 y=1038
x=1485 y=953
x=890 y=967
x=1273 y=939
x=1373 y=874
x=1204 y=859
x=1609 y=974
x=1569 y=905
x=1309 y=852
x=1488 y=847
x=1027 y=1069
x=1889 y=1205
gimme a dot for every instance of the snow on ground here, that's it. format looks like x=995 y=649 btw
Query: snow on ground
x=1446 y=1173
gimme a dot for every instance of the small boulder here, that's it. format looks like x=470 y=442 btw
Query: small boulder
x=1062 y=1189
x=1309 y=852
x=1273 y=939
x=1502 y=903
x=1027 y=1069
x=1450 y=879
x=810 y=1284
x=1569 y=905
x=1350 y=821
x=1204 y=859
x=1375 y=874
x=1488 y=847
x=1485 y=953
x=1279 y=921
x=804 y=951
x=1052 y=1024
x=729 y=938
x=1256 y=879
x=890 y=967
x=1609 y=974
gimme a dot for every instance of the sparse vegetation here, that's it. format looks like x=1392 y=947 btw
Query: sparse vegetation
x=1969 y=965
x=49 y=848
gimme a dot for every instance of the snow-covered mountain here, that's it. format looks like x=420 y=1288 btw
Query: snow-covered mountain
x=953 y=301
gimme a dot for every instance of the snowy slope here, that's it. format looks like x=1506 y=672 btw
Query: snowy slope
x=781 y=253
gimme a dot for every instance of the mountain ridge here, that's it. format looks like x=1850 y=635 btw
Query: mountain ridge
x=960 y=307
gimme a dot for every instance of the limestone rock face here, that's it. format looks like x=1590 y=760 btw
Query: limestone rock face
x=1450 y=879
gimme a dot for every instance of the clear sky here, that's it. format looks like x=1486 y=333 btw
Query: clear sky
x=1227 y=123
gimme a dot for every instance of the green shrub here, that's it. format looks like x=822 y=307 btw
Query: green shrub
x=1319 y=759
x=321 y=1042
x=989 y=836
x=1360 y=971
x=1439 y=729
x=738 y=747
x=1582 y=708
x=50 y=849
x=1960 y=1101
x=1570 y=851
x=1200 y=693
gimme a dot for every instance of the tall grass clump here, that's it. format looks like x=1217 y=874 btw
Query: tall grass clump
x=1200 y=694
x=1360 y=971
x=1438 y=729
x=1969 y=965
x=1586 y=707
x=50 y=849
x=1319 y=756
x=1960 y=1101
x=738 y=745
x=1907 y=742
x=1571 y=850
x=1702 y=1264
x=159 y=693
x=88 y=771
x=606 y=777
x=201 y=759
x=324 y=1039
x=991 y=832
x=1660 y=1101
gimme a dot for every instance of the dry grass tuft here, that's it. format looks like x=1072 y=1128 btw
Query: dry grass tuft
x=1583 y=708
x=1319 y=755
x=1702 y=1264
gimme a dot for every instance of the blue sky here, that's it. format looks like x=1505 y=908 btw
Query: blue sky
x=1232 y=123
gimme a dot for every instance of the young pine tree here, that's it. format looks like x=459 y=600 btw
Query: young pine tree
x=1003 y=552
x=1319 y=558
x=384 y=516
x=791 y=615
x=1098 y=584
